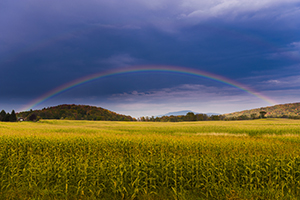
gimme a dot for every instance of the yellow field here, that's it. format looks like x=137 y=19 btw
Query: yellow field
x=59 y=159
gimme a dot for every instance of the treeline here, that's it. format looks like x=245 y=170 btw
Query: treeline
x=74 y=112
x=246 y=117
x=203 y=117
x=190 y=116
x=8 y=117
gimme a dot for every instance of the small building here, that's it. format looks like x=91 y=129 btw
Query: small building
x=20 y=119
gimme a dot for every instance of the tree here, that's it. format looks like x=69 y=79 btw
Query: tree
x=215 y=117
x=172 y=118
x=7 y=117
x=2 y=115
x=13 y=116
x=201 y=117
x=262 y=114
x=253 y=116
x=32 y=117
x=190 y=116
x=243 y=117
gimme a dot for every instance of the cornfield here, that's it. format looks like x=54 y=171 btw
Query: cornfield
x=58 y=159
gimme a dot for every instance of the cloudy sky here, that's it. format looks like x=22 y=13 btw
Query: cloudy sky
x=46 y=44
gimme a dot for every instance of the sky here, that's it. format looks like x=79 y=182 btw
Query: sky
x=45 y=45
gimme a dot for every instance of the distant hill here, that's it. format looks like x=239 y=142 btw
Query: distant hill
x=74 y=112
x=210 y=114
x=290 y=110
x=184 y=112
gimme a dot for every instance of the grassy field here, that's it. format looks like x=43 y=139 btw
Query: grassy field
x=49 y=159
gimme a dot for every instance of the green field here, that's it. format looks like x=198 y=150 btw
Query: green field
x=60 y=159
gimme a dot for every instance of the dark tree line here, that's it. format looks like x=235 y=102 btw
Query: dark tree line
x=190 y=116
x=203 y=117
x=8 y=117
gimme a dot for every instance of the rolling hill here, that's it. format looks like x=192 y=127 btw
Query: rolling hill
x=74 y=112
x=290 y=110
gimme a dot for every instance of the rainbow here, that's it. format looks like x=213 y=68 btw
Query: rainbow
x=172 y=69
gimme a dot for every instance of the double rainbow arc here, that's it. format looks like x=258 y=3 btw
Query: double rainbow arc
x=171 y=69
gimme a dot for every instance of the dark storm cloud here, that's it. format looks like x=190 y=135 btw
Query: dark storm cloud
x=44 y=44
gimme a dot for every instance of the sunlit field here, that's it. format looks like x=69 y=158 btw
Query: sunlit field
x=58 y=159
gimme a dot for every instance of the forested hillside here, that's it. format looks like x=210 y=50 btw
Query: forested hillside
x=291 y=110
x=74 y=112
